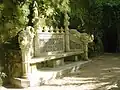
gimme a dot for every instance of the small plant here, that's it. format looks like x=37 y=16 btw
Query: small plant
x=2 y=76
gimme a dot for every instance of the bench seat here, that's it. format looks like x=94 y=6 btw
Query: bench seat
x=40 y=59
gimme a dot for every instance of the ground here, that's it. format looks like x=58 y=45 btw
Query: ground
x=102 y=73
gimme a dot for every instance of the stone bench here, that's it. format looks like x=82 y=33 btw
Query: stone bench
x=53 y=60
x=51 y=47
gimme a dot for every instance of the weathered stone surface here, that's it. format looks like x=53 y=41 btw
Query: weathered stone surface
x=80 y=41
x=81 y=37
x=48 y=43
x=14 y=59
x=58 y=62
x=48 y=50
x=25 y=40
x=45 y=75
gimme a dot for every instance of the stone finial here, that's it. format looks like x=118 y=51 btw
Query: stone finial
x=57 y=30
x=51 y=29
x=46 y=28
x=43 y=29
x=62 y=30
x=39 y=30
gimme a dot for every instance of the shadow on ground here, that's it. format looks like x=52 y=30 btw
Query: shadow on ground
x=103 y=73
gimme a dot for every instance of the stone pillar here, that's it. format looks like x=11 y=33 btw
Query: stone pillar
x=67 y=41
x=25 y=65
x=85 y=51
x=76 y=58
x=25 y=40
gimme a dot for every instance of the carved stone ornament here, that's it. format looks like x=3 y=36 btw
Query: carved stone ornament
x=25 y=39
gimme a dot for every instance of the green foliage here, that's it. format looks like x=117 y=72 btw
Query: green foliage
x=2 y=76
x=13 y=18
x=17 y=14
x=80 y=14
x=106 y=15
x=87 y=16
x=84 y=15
x=109 y=2
x=77 y=13
x=52 y=12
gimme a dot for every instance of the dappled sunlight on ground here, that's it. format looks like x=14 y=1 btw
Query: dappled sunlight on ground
x=103 y=73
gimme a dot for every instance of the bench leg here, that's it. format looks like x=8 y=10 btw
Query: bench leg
x=85 y=54
x=76 y=58
x=58 y=62
x=33 y=68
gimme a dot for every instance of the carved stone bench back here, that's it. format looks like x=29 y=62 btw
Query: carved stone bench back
x=48 y=43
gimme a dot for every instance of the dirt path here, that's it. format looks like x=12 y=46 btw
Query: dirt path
x=103 y=73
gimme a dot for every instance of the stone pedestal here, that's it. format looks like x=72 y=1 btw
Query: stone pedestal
x=19 y=82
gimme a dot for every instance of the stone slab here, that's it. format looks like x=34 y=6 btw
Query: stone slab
x=52 y=57
x=19 y=82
